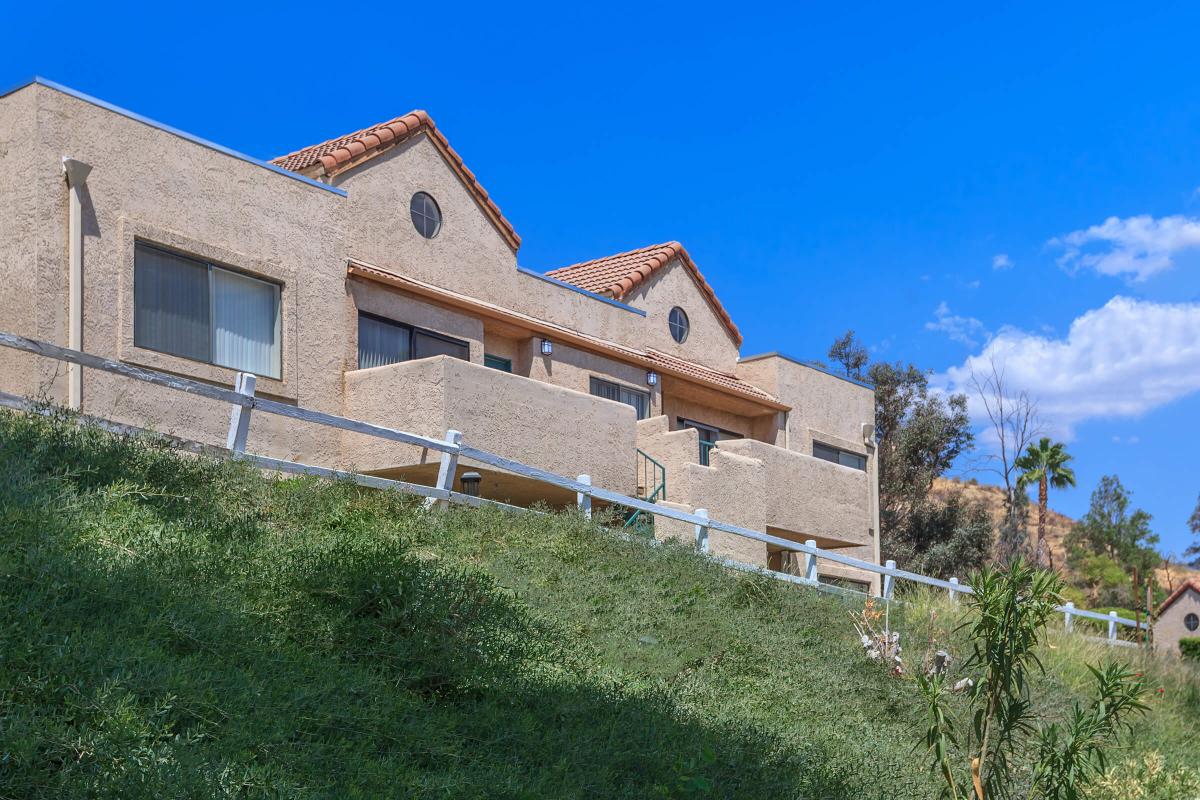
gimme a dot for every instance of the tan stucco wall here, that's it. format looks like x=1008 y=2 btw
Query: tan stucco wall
x=824 y=407
x=708 y=342
x=764 y=488
x=19 y=233
x=809 y=497
x=468 y=254
x=1169 y=627
x=146 y=179
x=510 y=415
x=572 y=368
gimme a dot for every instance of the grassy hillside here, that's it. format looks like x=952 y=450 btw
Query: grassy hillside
x=178 y=627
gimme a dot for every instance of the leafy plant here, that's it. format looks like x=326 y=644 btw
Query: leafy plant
x=1009 y=612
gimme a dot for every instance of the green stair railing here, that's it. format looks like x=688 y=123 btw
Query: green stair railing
x=651 y=487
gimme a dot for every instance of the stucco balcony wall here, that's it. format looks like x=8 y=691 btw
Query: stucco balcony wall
x=540 y=425
x=764 y=488
x=809 y=496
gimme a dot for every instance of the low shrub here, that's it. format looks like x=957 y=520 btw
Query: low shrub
x=1189 y=647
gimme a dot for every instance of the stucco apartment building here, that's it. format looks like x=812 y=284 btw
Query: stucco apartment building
x=373 y=276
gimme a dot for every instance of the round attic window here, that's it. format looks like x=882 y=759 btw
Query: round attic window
x=678 y=323
x=426 y=216
x=1191 y=622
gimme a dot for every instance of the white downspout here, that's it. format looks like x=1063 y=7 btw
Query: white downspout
x=76 y=173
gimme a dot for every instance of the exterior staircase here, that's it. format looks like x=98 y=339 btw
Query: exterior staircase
x=651 y=487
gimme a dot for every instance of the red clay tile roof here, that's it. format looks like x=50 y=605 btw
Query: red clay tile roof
x=346 y=152
x=616 y=276
x=1175 y=595
x=708 y=375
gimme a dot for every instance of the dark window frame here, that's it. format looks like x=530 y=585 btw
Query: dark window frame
x=209 y=266
x=837 y=453
x=497 y=362
x=1194 y=620
x=413 y=330
x=594 y=381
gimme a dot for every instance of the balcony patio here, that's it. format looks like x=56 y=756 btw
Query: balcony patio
x=538 y=424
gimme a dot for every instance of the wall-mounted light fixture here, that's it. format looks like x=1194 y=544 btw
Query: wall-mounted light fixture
x=651 y=378
x=470 y=483
x=547 y=347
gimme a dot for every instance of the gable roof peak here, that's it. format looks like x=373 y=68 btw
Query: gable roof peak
x=335 y=156
x=617 y=275
x=1179 y=592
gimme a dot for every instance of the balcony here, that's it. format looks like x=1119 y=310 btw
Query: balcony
x=538 y=424
x=751 y=483
x=807 y=497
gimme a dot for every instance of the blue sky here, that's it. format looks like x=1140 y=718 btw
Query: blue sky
x=828 y=168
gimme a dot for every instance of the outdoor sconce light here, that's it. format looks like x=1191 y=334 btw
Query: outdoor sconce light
x=470 y=483
x=547 y=347
x=651 y=378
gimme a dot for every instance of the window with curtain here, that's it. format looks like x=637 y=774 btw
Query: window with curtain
x=622 y=394
x=384 y=341
x=193 y=309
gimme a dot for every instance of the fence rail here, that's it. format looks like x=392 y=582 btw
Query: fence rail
x=243 y=402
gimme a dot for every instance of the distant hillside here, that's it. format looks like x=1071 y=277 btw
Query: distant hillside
x=1057 y=525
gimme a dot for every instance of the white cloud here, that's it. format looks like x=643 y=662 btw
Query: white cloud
x=1137 y=246
x=1121 y=360
x=1127 y=440
x=1001 y=261
x=965 y=330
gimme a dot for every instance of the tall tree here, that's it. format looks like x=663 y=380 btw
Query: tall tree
x=1015 y=424
x=1111 y=545
x=919 y=435
x=847 y=352
x=1046 y=465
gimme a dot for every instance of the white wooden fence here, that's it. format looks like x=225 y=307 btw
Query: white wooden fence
x=244 y=402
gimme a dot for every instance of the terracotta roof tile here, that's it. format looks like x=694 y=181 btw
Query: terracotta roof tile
x=346 y=152
x=617 y=275
x=707 y=375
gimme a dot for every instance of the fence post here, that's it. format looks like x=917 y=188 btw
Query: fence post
x=584 y=501
x=889 y=582
x=1069 y=616
x=810 y=563
x=1112 y=626
x=239 y=416
x=954 y=592
x=446 y=470
x=702 y=530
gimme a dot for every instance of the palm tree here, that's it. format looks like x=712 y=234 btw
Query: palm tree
x=1046 y=464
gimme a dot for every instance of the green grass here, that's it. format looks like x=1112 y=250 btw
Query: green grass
x=178 y=627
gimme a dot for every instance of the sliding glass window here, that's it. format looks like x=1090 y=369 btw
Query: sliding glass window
x=839 y=456
x=193 y=309
x=383 y=341
x=622 y=394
